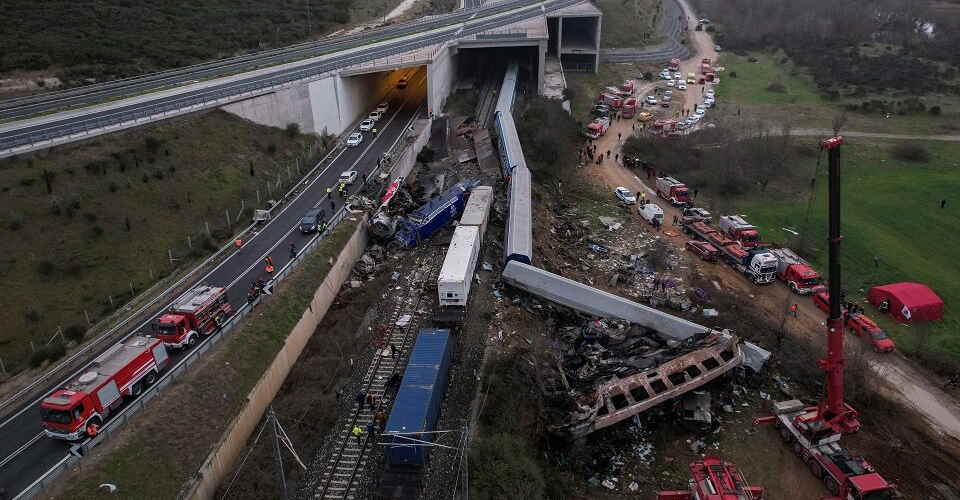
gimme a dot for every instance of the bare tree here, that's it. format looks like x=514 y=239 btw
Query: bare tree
x=838 y=122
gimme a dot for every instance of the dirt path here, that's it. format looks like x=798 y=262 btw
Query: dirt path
x=896 y=376
x=876 y=135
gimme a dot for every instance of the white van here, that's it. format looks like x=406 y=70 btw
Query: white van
x=651 y=211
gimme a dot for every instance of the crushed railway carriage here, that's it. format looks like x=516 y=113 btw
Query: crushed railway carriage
x=621 y=372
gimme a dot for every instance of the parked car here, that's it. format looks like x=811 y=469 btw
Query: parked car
x=348 y=177
x=703 y=250
x=366 y=125
x=681 y=86
x=375 y=116
x=699 y=112
x=383 y=107
x=717 y=48
x=668 y=94
x=665 y=75
x=311 y=220
x=677 y=75
x=651 y=100
x=625 y=195
x=354 y=139
x=709 y=91
x=670 y=83
x=704 y=21
x=402 y=83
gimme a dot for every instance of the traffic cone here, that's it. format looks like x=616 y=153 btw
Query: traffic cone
x=269 y=262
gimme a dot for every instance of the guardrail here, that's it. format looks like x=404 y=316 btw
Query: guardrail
x=121 y=418
x=241 y=90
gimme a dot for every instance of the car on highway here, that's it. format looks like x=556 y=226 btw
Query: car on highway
x=367 y=125
x=310 y=222
x=354 y=139
x=375 y=116
x=383 y=107
x=704 y=250
x=709 y=103
x=677 y=75
x=695 y=118
x=651 y=100
x=624 y=195
x=402 y=83
x=348 y=177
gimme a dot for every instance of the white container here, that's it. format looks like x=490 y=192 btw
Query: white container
x=477 y=210
x=456 y=275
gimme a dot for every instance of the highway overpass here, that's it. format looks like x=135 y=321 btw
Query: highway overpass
x=323 y=86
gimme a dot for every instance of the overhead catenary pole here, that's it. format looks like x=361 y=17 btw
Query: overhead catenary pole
x=276 y=450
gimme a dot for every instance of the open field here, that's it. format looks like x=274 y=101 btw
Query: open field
x=114 y=208
x=773 y=88
x=116 y=38
x=891 y=210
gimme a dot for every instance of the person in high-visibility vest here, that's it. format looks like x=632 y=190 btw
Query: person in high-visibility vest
x=269 y=262
x=357 y=433
x=93 y=429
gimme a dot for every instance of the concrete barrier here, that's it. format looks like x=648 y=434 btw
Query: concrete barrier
x=220 y=462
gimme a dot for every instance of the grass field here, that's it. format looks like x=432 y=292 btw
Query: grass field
x=891 y=210
x=629 y=23
x=586 y=86
x=117 y=204
x=805 y=107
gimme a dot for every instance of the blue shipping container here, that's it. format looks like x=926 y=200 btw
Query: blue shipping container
x=417 y=406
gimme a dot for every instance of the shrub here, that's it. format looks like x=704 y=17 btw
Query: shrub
x=158 y=175
x=96 y=231
x=113 y=187
x=935 y=110
x=91 y=218
x=27 y=181
x=733 y=74
x=126 y=224
x=145 y=178
x=152 y=144
x=505 y=467
x=910 y=152
x=16 y=222
x=271 y=149
x=776 y=87
x=46 y=268
x=50 y=352
x=32 y=315
x=292 y=130
x=75 y=332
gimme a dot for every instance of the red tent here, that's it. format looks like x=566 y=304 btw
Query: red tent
x=907 y=302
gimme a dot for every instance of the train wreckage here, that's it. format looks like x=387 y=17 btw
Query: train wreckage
x=629 y=360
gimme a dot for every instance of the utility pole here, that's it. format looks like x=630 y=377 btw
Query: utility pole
x=308 y=19
x=276 y=450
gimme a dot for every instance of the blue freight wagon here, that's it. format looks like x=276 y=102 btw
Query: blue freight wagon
x=417 y=406
x=436 y=213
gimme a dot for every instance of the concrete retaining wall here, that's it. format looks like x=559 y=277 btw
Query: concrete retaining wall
x=440 y=76
x=218 y=465
x=277 y=109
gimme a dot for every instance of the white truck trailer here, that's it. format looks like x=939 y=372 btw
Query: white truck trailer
x=477 y=210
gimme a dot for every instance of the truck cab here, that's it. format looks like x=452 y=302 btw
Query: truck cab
x=870 y=487
x=175 y=331
x=762 y=265
x=802 y=279
x=65 y=413
x=200 y=311
x=737 y=228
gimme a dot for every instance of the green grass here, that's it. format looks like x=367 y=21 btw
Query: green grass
x=109 y=222
x=805 y=107
x=205 y=409
x=629 y=23
x=891 y=211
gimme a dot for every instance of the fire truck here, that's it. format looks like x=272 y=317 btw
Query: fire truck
x=738 y=229
x=200 y=311
x=796 y=272
x=673 y=191
x=79 y=408
x=714 y=479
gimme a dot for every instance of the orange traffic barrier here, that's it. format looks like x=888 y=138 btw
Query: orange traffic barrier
x=238 y=243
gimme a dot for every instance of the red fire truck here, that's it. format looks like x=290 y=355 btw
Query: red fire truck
x=79 y=408
x=714 y=479
x=200 y=311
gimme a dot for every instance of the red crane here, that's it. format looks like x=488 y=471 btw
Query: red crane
x=815 y=432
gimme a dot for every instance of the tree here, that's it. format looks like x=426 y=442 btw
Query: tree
x=503 y=467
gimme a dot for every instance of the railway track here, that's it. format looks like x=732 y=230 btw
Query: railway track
x=339 y=476
x=488 y=101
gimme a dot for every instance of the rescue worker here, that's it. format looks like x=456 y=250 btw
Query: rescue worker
x=794 y=309
x=329 y=190
x=93 y=429
x=370 y=429
x=357 y=433
x=361 y=398
x=293 y=251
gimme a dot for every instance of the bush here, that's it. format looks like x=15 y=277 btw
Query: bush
x=152 y=144
x=75 y=332
x=32 y=315
x=91 y=218
x=46 y=268
x=113 y=187
x=935 y=110
x=96 y=231
x=733 y=74
x=50 y=352
x=504 y=466
x=776 y=87
x=16 y=222
x=27 y=181
x=910 y=152
x=292 y=130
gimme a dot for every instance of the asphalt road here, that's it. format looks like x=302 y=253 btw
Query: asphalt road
x=236 y=273
x=50 y=101
x=64 y=126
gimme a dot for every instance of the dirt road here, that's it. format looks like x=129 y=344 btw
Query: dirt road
x=896 y=376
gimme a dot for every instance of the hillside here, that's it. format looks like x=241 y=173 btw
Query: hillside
x=113 y=209
x=116 y=38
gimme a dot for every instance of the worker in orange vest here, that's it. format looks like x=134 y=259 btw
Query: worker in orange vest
x=92 y=429
x=269 y=262
x=794 y=309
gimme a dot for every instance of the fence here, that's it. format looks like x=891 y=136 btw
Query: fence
x=406 y=156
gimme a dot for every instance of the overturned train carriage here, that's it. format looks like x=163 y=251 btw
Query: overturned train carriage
x=605 y=378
